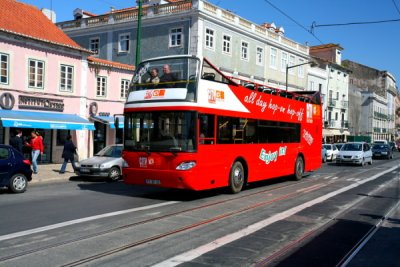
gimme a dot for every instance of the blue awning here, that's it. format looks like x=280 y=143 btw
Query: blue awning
x=110 y=121
x=44 y=120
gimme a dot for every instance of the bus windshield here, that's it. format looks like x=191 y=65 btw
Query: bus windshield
x=168 y=73
x=160 y=131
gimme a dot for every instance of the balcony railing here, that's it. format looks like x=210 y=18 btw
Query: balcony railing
x=380 y=116
x=332 y=103
x=344 y=104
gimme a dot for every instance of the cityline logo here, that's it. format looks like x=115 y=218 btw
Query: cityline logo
x=215 y=95
x=158 y=93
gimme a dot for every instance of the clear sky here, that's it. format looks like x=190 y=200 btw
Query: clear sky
x=374 y=45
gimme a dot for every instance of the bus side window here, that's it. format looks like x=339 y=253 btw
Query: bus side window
x=206 y=129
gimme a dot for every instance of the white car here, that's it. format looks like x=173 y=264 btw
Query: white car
x=331 y=151
x=106 y=163
x=355 y=153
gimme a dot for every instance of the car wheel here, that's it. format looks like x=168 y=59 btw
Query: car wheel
x=236 y=177
x=18 y=183
x=298 y=168
x=114 y=174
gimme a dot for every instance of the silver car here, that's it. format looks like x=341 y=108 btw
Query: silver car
x=356 y=153
x=106 y=163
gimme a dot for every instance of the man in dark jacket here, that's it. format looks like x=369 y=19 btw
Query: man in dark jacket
x=16 y=141
x=68 y=154
x=168 y=78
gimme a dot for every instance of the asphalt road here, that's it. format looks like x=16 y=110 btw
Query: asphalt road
x=314 y=222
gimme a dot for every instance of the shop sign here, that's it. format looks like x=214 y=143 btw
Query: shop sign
x=7 y=101
x=39 y=103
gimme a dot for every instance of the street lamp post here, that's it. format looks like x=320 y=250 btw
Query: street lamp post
x=312 y=64
x=138 y=33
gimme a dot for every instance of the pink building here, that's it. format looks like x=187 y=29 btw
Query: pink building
x=50 y=84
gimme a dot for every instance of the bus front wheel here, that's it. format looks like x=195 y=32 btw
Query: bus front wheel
x=298 y=168
x=236 y=177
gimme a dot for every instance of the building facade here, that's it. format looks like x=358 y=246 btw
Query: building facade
x=379 y=92
x=336 y=95
x=48 y=82
x=240 y=48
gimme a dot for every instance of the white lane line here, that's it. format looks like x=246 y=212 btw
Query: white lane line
x=87 y=219
x=197 y=252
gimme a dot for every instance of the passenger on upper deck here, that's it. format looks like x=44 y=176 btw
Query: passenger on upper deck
x=154 y=79
x=168 y=77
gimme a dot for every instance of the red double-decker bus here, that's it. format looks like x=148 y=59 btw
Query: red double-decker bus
x=189 y=126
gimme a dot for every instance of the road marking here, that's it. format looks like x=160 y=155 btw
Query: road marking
x=199 y=251
x=87 y=219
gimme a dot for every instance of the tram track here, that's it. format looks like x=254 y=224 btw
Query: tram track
x=301 y=191
x=151 y=220
x=314 y=232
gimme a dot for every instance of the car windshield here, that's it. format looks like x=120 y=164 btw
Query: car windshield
x=380 y=146
x=328 y=147
x=172 y=131
x=352 y=147
x=110 y=151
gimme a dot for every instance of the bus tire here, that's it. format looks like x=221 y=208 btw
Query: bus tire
x=298 y=168
x=236 y=177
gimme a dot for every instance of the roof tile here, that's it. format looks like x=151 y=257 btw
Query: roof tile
x=27 y=20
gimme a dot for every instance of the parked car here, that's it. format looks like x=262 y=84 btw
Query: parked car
x=15 y=171
x=356 y=153
x=323 y=154
x=331 y=151
x=381 y=142
x=106 y=163
x=382 y=151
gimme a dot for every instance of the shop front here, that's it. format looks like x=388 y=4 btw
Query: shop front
x=46 y=116
x=106 y=131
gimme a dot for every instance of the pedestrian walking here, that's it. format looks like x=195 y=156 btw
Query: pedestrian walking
x=68 y=154
x=16 y=141
x=37 y=146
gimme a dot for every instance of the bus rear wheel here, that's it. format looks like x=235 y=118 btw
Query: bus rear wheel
x=236 y=177
x=298 y=168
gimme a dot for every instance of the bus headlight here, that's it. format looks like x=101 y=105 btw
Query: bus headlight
x=187 y=165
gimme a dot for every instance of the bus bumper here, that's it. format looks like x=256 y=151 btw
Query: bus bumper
x=161 y=178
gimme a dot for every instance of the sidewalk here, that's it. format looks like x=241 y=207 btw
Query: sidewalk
x=50 y=173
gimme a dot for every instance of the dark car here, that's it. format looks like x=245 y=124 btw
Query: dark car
x=15 y=171
x=382 y=151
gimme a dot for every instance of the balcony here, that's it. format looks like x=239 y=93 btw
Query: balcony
x=344 y=104
x=377 y=130
x=332 y=103
x=344 y=124
x=380 y=116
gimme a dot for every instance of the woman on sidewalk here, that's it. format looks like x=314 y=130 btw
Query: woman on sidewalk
x=68 y=154
x=36 y=144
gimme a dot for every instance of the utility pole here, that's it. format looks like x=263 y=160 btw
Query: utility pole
x=138 y=33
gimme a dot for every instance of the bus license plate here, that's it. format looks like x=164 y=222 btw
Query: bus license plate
x=153 y=182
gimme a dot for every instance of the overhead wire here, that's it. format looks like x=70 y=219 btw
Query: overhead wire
x=314 y=25
x=292 y=19
x=396 y=6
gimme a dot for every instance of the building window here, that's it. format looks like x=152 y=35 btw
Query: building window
x=284 y=61
x=260 y=56
x=36 y=73
x=66 y=78
x=292 y=60
x=272 y=57
x=311 y=86
x=337 y=95
x=245 y=51
x=101 y=86
x=124 y=43
x=301 y=68
x=4 y=65
x=124 y=88
x=175 y=37
x=336 y=116
x=210 y=38
x=94 y=45
x=226 y=44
